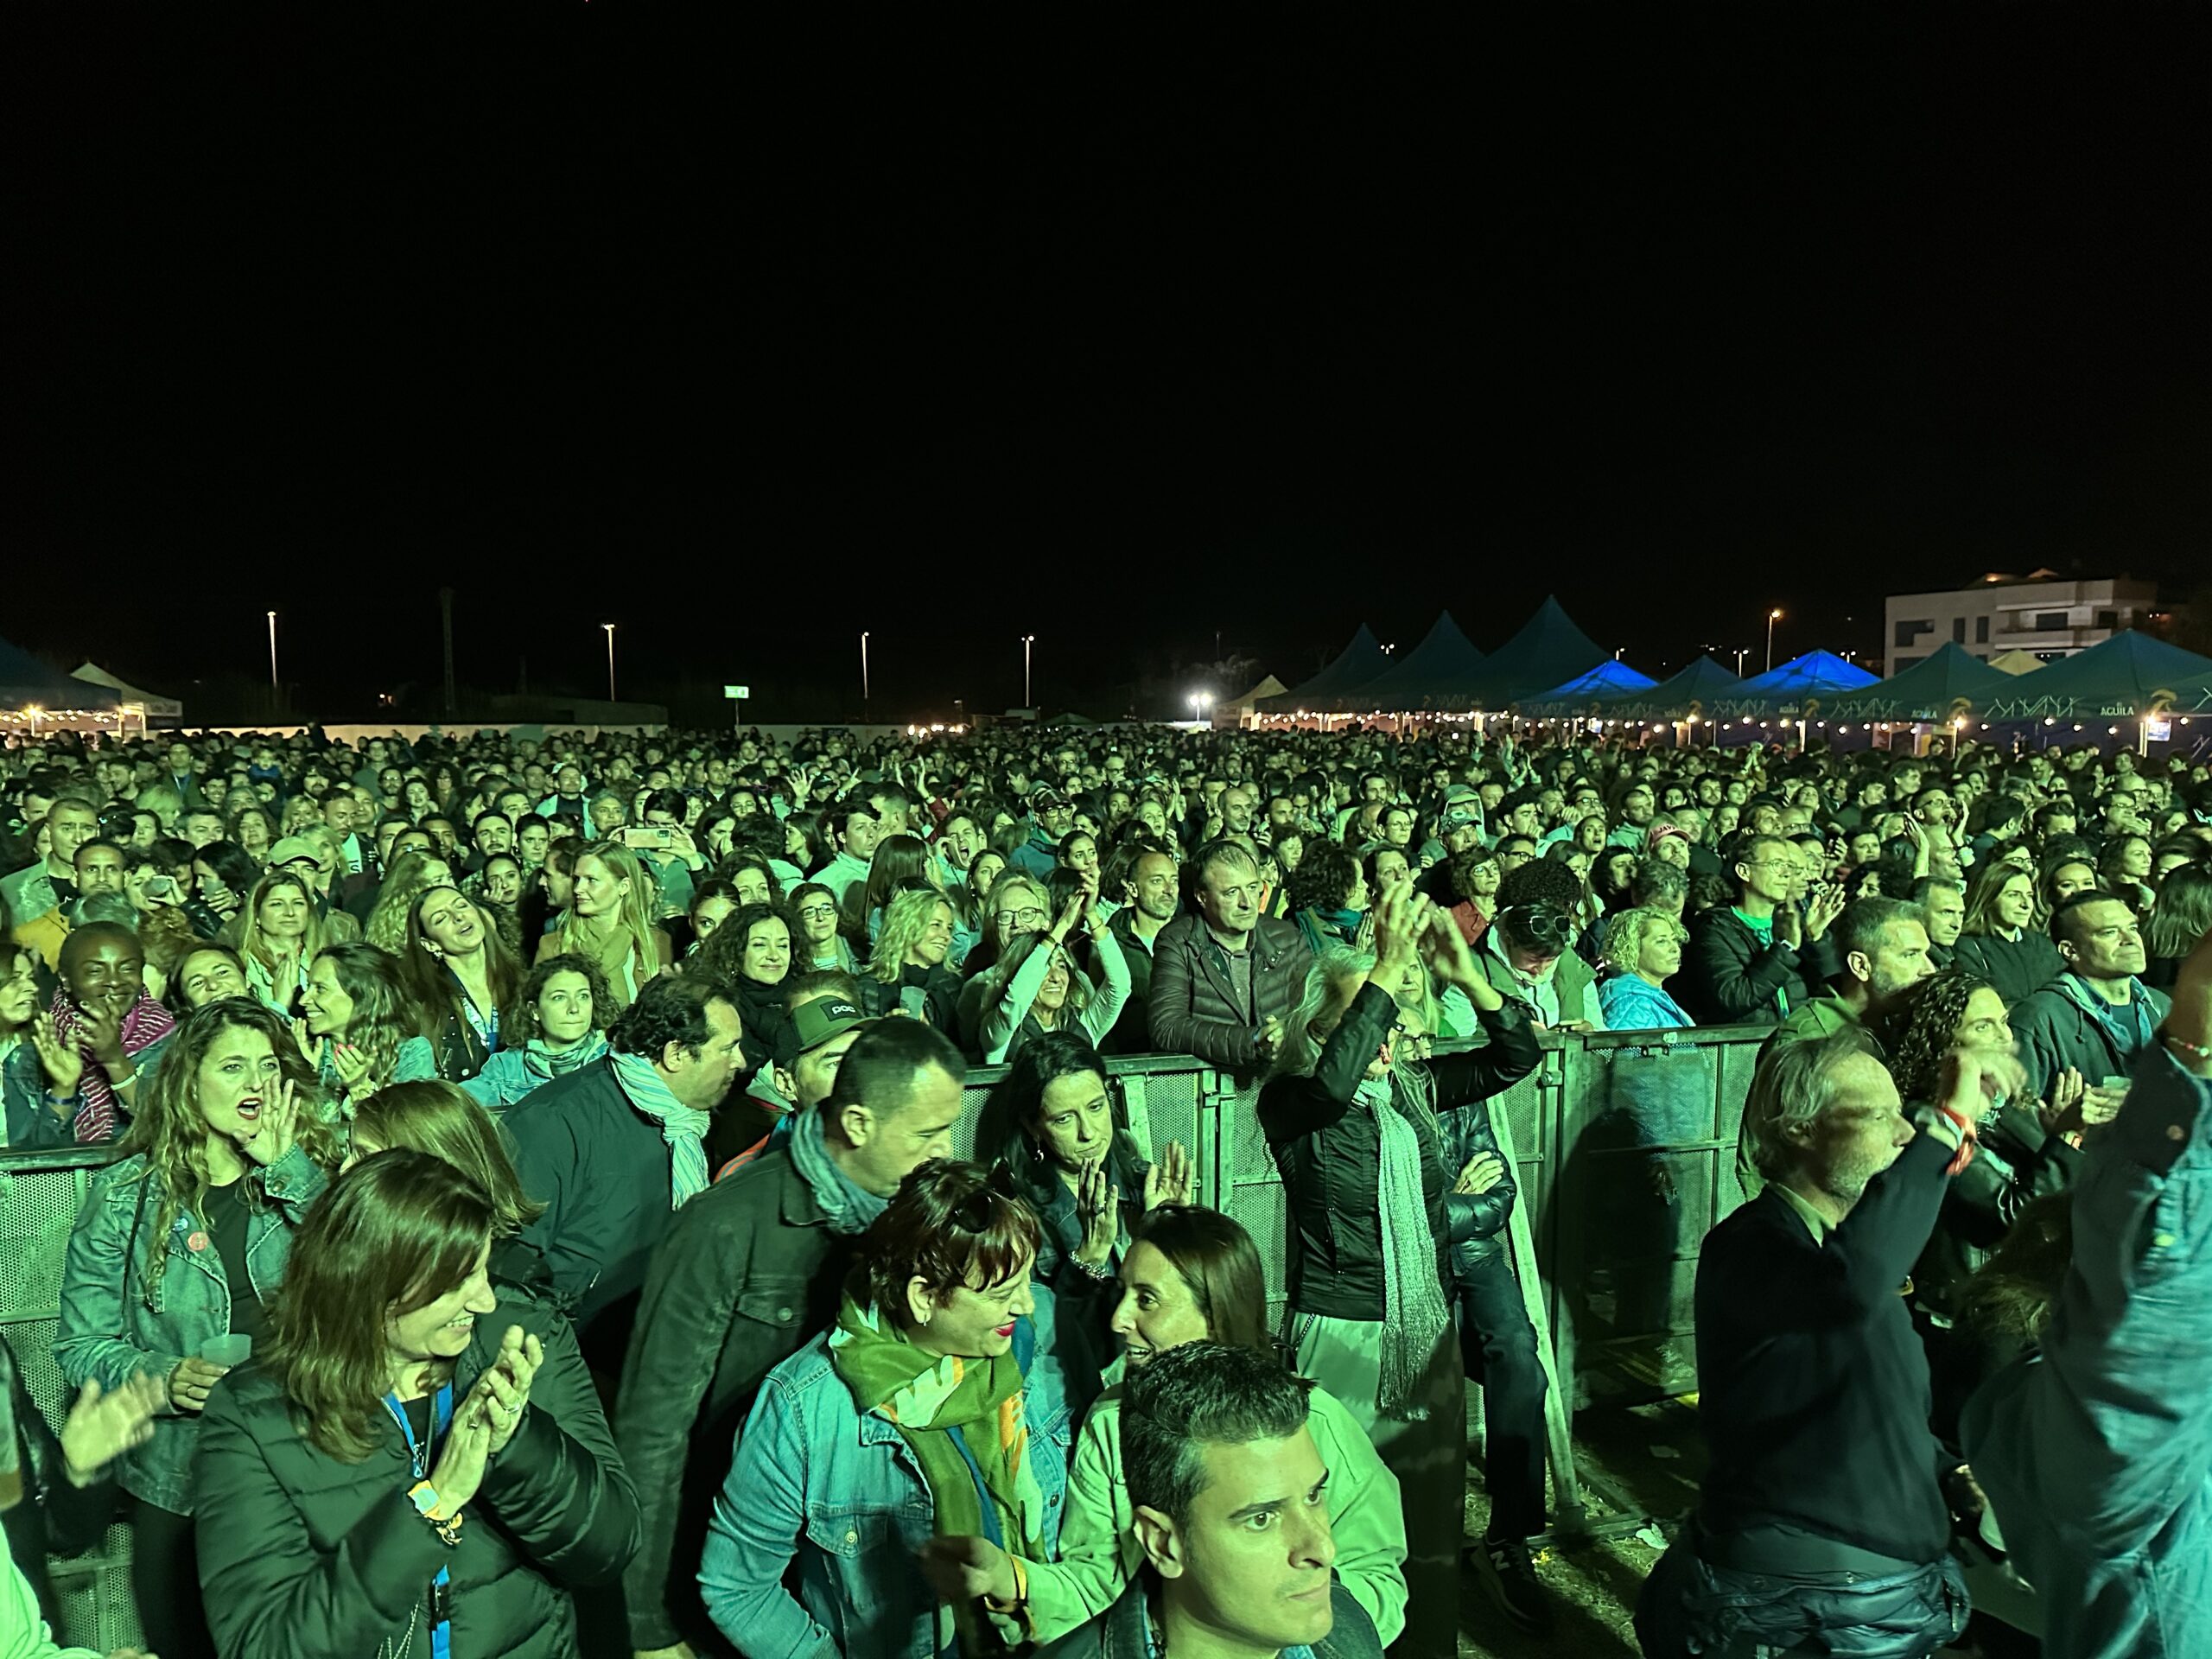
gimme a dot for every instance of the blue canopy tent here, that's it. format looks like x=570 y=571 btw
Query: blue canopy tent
x=1944 y=685
x=1438 y=675
x=1582 y=694
x=2127 y=675
x=1692 y=691
x=1547 y=651
x=1798 y=687
x=1354 y=666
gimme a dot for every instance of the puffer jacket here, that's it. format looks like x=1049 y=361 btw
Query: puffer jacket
x=1477 y=1219
x=304 y=1557
x=1329 y=1154
x=1192 y=1007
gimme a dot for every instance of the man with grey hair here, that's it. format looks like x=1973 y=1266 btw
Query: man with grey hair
x=1823 y=1509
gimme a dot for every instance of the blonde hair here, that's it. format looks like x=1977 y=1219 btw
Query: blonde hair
x=905 y=920
x=249 y=918
x=387 y=924
x=634 y=918
x=1624 y=935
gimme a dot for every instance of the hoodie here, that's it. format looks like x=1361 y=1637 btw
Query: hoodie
x=2067 y=1024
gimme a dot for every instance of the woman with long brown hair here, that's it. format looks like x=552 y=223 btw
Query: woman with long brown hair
x=417 y=1457
x=177 y=1251
x=357 y=1024
x=279 y=934
x=465 y=983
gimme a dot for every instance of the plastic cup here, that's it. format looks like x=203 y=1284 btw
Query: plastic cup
x=227 y=1350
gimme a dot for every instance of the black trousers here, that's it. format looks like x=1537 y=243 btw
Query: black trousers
x=1499 y=1346
x=165 y=1583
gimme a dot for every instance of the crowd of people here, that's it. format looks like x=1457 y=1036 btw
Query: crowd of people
x=536 y=1222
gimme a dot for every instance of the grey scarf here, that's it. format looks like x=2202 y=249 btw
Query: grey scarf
x=851 y=1208
x=1414 y=1311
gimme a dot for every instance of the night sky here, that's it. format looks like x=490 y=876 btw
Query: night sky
x=746 y=339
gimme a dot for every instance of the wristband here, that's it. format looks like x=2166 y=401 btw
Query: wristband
x=2198 y=1049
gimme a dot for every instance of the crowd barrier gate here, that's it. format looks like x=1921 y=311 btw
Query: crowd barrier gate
x=1622 y=1147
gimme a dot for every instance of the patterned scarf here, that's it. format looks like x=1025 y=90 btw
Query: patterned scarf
x=145 y=1023
x=852 y=1209
x=1414 y=1311
x=684 y=1129
x=963 y=1419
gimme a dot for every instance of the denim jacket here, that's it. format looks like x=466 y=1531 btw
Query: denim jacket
x=818 y=1481
x=115 y=1324
x=30 y=1124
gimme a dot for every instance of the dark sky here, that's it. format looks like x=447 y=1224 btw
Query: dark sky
x=746 y=339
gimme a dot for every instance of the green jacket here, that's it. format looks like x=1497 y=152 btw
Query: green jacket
x=1099 y=1551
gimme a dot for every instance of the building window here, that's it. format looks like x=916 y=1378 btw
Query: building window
x=1958 y=630
x=1909 y=631
x=2109 y=618
x=1981 y=630
x=1898 y=665
x=2046 y=620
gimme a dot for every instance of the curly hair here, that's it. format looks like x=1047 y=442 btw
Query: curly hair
x=904 y=921
x=1543 y=881
x=384 y=1014
x=1938 y=1005
x=410 y=877
x=1324 y=877
x=1624 y=935
x=170 y=1130
x=603 y=1005
x=721 y=958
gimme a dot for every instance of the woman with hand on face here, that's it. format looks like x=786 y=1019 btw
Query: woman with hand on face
x=565 y=1014
x=913 y=1416
x=101 y=1031
x=1192 y=1275
x=279 y=934
x=416 y=1461
x=36 y=1092
x=176 y=1253
x=1035 y=988
x=464 y=982
x=223 y=873
x=357 y=1026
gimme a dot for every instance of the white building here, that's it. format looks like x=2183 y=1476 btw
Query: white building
x=2037 y=613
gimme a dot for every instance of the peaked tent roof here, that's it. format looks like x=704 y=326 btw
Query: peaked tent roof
x=25 y=681
x=1577 y=696
x=1269 y=687
x=1439 y=674
x=1932 y=689
x=2017 y=662
x=1547 y=651
x=1690 y=691
x=156 y=707
x=1817 y=673
x=1355 y=665
x=2124 y=675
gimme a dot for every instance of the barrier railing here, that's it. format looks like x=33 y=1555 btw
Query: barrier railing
x=1624 y=1150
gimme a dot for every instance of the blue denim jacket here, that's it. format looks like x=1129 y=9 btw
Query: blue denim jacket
x=818 y=1482
x=115 y=1324
x=22 y=1087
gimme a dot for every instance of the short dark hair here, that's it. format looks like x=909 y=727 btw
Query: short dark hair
x=950 y=1224
x=1546 y=930
x=670 y=1009
x=1324 y=877
x=1862 y=922
x=1199 y=1395
x=883 y=1061
x=2066 y=923
x=669 y=801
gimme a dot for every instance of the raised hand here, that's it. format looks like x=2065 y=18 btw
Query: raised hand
x=2062 y=1112
x=503 y=1391
x=1098 y=1202
x=1168 y=1181
x=63 y=1065
x=278 y=1125
x=102 y=1426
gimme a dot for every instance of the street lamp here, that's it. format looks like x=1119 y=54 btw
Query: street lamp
x=272 y=652
x=1027 y=640
x=609 y=627
x=1200 y=702
x=1742 y=652
x=1772 y=617
x=863 y=674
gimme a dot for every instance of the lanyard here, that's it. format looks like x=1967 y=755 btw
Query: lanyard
x=418 y=1459
x=487 y=1027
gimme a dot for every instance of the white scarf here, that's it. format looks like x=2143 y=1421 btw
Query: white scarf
x=1414 y=1311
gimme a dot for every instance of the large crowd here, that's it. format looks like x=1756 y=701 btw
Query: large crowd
x=535 y=1225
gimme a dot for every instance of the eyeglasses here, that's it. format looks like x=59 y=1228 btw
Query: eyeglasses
x=816 y=912
x=1030 y=917
x=974 y=1213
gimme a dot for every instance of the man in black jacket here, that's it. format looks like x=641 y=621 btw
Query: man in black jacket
x=1823 y=1509
x=1751 y=964
x=749 y=1274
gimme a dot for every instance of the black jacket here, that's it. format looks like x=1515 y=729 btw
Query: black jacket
x=751 y=1271
x=940 y=988
x=1191 y=1005
x=602 y=1172
x=1330 y=1156
x=1477 y=1219
x=54 y=1515
x=304 y=1557
x=1729 y=978
x=2016 y=967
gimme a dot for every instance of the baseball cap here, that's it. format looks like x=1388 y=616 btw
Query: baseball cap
x=1461 y=806
x=291 y=850
x=1044 y=796
x=815 y=1023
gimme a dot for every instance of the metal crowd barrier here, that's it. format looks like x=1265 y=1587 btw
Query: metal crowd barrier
x=1623 y=1144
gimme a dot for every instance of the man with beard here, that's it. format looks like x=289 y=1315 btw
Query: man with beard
x=1822 y=1513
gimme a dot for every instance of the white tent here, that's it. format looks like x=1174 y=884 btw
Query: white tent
x=145 y=703
x=1240 y=708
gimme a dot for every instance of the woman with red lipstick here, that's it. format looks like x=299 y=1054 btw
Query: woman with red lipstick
x=416 y=1462
x=176 y=1253
x=911 y=1417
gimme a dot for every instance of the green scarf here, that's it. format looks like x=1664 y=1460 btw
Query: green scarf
x=927 y=1398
